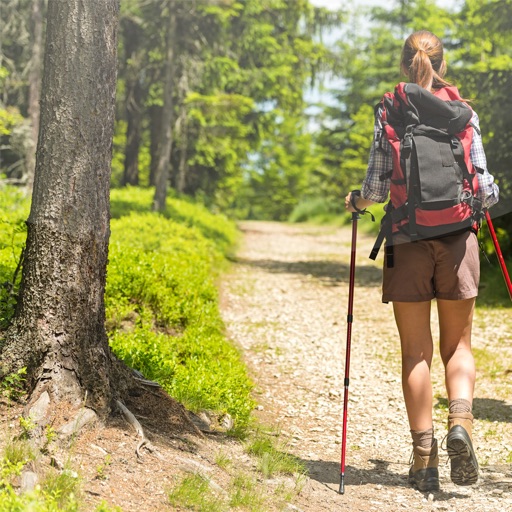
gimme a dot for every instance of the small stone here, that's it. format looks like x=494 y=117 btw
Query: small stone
x=28 y=481
x=430 y=498
x=227 y=422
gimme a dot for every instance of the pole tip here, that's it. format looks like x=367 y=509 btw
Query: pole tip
x=342 y=484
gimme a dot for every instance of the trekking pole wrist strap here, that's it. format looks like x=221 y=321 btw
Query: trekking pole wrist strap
x=353 y=198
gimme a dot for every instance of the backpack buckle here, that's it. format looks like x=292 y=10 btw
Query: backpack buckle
x=407 y=143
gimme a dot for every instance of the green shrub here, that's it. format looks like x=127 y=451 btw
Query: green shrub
x=162 y=308
x=493 y=292
x=216 y=228
x=314 y=208
x=14 y=209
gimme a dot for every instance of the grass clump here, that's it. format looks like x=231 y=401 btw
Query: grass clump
x=194 y=493
x=57 y=492
x=16 y=453
x=273 y=459
x=245 y=494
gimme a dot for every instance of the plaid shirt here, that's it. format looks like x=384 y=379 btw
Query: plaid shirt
x=380 y=163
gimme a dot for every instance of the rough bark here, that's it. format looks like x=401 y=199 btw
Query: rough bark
x=58 y=331
x=34 y=87
x=165 y=146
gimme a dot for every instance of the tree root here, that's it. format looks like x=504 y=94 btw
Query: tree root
x=139 y=377
x=147 y=382
x=132 y=420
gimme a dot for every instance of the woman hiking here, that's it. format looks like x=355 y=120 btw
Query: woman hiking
x=445 y=268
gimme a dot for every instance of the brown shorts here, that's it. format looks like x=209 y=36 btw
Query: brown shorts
x=444 y=268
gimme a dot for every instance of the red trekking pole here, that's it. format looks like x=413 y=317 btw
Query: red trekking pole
x=498 y=253
x=355 y=217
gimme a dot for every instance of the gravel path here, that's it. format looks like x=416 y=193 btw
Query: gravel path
x=285 y=304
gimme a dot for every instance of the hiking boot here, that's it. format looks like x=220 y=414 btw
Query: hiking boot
x=424 y=474
x=464 y=466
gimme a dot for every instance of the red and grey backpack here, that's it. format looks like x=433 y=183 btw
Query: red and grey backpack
x=433 y=182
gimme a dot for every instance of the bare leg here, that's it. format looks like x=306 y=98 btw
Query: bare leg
x=455 y=321
x=413 y=322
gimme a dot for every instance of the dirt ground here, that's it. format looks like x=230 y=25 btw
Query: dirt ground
x=284 y=303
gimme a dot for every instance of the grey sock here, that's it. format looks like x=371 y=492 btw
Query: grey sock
x=459 y=405
x=423 y=438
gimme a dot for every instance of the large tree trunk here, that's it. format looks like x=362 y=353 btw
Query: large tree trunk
x=165 y=146
x=58 y=332
x=34 y=87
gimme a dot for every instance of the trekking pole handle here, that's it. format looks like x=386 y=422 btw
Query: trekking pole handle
x=353 y=198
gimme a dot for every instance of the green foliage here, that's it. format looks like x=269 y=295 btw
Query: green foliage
x=354 y=158
x=118 y=156
x=13 y=132
x=9 y=118
x=162 y=305
x=240 y=69
x=12 y=385
x=216 y=228
x=15 y=455
x=62 y=487
x=105 y=507
x=277 y=176
x=57 y=492
x=27 y=425
x=493 y=291
x=161 y=299
x=14 y=207
x=314 y=209
x=222 y=142
x=118 y=147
